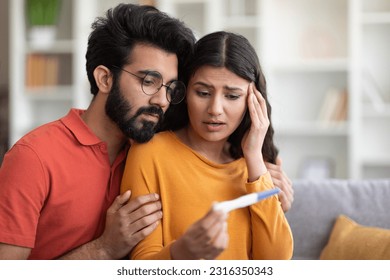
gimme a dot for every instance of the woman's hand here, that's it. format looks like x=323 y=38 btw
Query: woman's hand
x=253 y=140
x=205 y=239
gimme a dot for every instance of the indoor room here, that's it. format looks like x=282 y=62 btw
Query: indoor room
x=326 y=63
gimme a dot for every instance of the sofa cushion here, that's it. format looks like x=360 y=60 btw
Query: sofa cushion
x=351 y=241
x=318 y=203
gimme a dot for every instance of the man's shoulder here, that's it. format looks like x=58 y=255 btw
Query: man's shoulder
x=49 y=134
x=44 y=135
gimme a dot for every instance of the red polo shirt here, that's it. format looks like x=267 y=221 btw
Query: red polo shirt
x=56 y=184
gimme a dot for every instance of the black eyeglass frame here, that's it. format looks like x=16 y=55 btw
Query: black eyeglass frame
x=167 y=86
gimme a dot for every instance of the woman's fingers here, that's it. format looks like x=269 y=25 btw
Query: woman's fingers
x=257 y=107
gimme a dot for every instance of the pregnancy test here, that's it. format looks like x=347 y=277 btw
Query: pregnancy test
x=245 y=200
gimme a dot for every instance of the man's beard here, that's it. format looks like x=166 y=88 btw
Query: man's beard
x=117 y=108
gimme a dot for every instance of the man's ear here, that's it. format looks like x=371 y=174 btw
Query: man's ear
x=103 y=78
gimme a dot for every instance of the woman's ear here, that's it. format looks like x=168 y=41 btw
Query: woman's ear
x=103 y=78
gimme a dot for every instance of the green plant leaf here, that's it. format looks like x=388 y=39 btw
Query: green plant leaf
x=43 y=12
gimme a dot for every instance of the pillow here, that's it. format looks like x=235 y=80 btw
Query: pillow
x=351 y=241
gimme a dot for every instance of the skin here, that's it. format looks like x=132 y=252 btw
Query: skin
x=128 y=221
x=217 y=100
x=281 y=180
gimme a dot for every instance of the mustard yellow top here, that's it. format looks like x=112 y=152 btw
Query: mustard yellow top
x=188 y=184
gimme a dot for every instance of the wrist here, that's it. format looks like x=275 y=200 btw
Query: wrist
x=178 y=251
x=102 y=251
x=93 y=250
x=255 y=169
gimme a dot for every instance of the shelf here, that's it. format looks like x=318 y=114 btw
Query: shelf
x=376 y=162
x=313 y=65
x=376 y=18
x=381 y=110
x=312 y=129
x=58 y=46
x=55 y=93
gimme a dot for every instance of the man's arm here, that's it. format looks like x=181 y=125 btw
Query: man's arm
x=12 y=252
x=281 y=180
x=127 y=223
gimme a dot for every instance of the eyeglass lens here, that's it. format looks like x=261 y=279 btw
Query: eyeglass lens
x=153 y=81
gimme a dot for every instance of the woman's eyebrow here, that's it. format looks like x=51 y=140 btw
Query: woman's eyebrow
x=229 y=88
x=203 y=84
x=234 y=88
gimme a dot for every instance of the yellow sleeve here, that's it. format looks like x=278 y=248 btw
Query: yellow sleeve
x=271 y=234
x=140 y=176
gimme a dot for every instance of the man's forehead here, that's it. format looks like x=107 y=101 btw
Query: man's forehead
x=151 y=58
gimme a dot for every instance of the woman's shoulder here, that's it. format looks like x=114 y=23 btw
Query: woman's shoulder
x=161 y=147
x=162 y=139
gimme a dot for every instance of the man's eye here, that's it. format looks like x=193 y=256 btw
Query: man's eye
x=150 y=81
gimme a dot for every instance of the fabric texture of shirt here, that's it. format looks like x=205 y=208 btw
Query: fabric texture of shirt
x=56 y=184
x=188 y=184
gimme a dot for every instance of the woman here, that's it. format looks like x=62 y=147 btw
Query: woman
x=214 y=148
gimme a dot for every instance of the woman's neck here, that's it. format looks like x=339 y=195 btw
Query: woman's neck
x=216 y=151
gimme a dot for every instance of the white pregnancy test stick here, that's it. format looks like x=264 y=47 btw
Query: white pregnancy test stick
x=245 y=200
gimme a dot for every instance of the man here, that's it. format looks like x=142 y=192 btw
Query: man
x=59 y=184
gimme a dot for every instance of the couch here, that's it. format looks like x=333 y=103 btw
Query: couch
x=318 y=204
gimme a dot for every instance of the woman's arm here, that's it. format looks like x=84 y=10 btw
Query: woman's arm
x=140 y=178
x=271 y=233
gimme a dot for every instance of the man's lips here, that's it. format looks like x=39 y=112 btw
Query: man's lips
x=155 y=116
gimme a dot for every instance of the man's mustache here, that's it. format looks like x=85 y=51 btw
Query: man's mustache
x=151 y=110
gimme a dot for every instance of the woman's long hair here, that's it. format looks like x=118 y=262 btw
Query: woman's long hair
x=235 y=53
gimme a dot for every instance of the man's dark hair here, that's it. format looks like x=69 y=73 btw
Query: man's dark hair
x=114 y=36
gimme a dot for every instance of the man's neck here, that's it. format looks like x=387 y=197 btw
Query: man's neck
x=102 y=126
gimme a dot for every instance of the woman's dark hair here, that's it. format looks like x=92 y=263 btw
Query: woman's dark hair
x=114 y=36
x=235 y=53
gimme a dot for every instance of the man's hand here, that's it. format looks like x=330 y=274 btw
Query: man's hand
x=127 y=223
x=281 y=180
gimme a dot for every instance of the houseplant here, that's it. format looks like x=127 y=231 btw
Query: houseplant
x=42 y=18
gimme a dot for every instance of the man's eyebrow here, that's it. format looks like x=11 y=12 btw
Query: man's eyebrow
x=145 y=72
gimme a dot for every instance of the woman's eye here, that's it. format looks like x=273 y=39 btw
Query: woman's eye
x=202 y=93
x=232 y=96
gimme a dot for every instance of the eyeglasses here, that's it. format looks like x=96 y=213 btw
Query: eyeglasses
x=153 y=81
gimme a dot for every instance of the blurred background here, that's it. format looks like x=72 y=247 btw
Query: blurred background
x=327 y=64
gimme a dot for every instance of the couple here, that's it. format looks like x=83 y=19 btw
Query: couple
x=60 y=183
